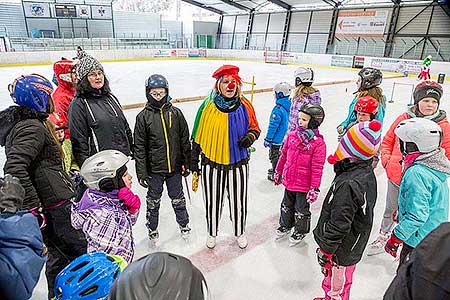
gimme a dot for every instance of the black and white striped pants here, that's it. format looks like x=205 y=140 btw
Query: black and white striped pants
x=215 y=182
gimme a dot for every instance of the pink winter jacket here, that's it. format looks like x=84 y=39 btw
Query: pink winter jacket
x=301 y=168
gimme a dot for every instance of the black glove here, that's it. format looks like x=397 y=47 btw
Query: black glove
x=247 y=140
x=144 y=182
x=185 y=171
x=11 y=194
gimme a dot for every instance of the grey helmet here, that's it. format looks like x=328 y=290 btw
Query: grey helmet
x=102 y=165
x=304 y=75
x=418 y=135
x=282 y=90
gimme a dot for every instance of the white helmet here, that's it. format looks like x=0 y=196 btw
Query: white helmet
x=282 y=89
x=418 y=135
x=304 y=75
x=102 y=165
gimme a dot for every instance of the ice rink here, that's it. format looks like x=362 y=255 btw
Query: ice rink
x=267 y=269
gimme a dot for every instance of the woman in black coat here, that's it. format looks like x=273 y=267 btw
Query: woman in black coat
x=96 y=119
x=34 y=155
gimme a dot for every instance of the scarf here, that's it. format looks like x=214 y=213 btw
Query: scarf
x=306 y=135
x=225 y=104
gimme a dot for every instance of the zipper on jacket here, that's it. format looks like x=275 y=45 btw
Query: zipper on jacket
x=357 y=240
x=67 y=182
x=167 y=140
x=170 y=119
x=112 y=107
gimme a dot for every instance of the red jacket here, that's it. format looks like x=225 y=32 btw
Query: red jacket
x=65 y=91
x=390 y=147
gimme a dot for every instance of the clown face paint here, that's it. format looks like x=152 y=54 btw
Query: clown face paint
x=228 y=86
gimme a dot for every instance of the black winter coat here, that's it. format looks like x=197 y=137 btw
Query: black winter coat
x=161 y=140
x=98 y=119
x=426 y=274
x=346 y=218
x=33 y=156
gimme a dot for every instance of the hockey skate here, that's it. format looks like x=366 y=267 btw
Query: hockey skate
x=282 y=232
x=211 y=242
x=296 y=238
x=377 y=246
x=153 y=237
x=242 y=241
x=185 y=231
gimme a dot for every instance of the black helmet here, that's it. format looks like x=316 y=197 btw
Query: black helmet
x=370 y=77
x=316 y=112
x=153 y=82
x=158 y=276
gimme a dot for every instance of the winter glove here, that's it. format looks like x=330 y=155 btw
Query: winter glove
x=39 y=214
x=247 y=140
x=131 y=201
x=11 y=194
x=325 y=262
x=312 y=195
x=144 y=182
x=195 y=179
x=185 y=171
x=340 y=130
x=277 y=178
x=392 y=245
x=267 y=144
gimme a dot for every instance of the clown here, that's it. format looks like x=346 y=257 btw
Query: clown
x=425 y=69
x=225 y=127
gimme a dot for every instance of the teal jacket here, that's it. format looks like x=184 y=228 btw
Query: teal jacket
x=423 y=198
x=351 y=116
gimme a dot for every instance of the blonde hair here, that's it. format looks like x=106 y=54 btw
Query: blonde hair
x=302 y=90
x=375 y=92
x=238 y=88
x=51 y=127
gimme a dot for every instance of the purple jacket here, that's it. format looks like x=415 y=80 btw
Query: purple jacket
x=300 y=165
x=297 y=104
x=106 y=222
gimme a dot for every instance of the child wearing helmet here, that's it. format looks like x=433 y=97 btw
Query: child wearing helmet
x=368 y=85
x=423 y=202
x=427 y=96
x=89 y=277
x=346 y=218
x=162 y=153
x=304 y=93
x=108 y=209
x=278 y=124
x=300 y=170
x=34 y=155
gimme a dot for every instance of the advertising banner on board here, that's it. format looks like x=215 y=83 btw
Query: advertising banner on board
x=361 y=23
x=341 y=61
x=396 y=65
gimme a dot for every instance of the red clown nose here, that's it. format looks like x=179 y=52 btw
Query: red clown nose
x=231 y=85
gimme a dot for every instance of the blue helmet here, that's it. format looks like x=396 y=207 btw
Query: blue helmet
x=32 y=91
x=89 y=276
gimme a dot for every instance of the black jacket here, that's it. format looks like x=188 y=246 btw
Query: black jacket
x=426 y=274
x=161 y=140
x=32 y=155
x=346 y=218
x=98 y=117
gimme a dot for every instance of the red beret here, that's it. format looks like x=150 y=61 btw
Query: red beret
x=225 y=70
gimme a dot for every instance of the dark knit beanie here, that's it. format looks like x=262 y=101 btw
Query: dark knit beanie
x=428 y=89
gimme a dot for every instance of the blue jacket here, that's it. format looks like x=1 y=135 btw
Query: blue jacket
x=351 y=116
x=423 y=198
x=21 y=259
x=279 y=120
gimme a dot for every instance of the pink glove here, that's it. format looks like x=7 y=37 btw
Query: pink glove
x=312 y=195
x=277 y=178
x=131 y=201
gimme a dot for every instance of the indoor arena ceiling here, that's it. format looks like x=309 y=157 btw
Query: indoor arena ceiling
x=227 y=7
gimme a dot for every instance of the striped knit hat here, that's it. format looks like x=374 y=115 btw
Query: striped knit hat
x=361 y=141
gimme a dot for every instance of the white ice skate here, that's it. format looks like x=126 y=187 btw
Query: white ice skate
x=211 y=242
x=281 y=232
x=242 y=241
x=377 y=246
x=185 y=232
x=296 y=238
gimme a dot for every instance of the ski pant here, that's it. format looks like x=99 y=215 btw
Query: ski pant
x=404 y=254
x=338 y=283
x=63 y=242
x=175 y=191
x=294 y=212
x=215 y=182
x=274 y=155
x=387 y=224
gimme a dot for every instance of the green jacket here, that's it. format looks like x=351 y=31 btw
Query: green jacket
x=69 y=160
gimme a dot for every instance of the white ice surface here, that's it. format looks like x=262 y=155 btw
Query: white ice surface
x=268 y=269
